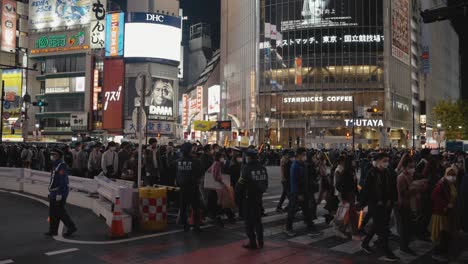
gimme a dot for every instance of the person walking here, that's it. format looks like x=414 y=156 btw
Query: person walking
x=406 y=193
x=58 y=193
x=252 y=184
x=297 y=195
x=285 y=167
x=188 y=176
x=80 y=161
x=381 y=192
x=444 y=198
x=110 y=161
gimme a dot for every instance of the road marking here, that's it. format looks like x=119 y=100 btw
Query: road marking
x=271 y=197
x=31 y=197
x=8 y=261
x=419 y=247
x=52 y=253
x=308 y=240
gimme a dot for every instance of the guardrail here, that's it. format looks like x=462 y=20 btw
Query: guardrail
x=83 y=191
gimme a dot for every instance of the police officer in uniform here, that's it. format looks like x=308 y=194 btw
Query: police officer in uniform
x=251 y=186
x=58 y=189
x=189 y=173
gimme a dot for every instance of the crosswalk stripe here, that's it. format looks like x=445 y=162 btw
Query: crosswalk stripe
x=271 y=197
x=307 y=240
x=8 y=261
x=419 y=247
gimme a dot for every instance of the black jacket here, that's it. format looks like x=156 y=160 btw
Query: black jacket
x=380 y=186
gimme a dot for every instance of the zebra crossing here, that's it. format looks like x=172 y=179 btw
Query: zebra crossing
x=328 y=239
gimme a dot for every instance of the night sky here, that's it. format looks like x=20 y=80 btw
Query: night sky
x=207 y=11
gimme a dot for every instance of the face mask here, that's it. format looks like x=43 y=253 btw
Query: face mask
x=374 y=163
x=222 y=160
x=411 y=171
x=384 y=165
x=451 y=178
x=52 y=157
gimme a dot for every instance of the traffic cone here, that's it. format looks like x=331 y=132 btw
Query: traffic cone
x=117 y=230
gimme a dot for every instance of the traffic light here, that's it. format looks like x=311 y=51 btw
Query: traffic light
x=347 y=135
x=40 y=103
x=372 y=110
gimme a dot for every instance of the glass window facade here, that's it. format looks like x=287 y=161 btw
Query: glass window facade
x=65 y=64
x=317 y=49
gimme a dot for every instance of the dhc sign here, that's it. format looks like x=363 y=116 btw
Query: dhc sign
x=364 y=122
x=155 y=18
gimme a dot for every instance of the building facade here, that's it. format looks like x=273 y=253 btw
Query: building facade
x=312 y=72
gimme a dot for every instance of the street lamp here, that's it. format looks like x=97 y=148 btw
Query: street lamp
x=460 y=127
x=439 y=125
x=267 y=119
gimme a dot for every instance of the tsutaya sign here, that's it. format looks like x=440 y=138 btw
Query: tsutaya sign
x=317 y=99
x=364 y=122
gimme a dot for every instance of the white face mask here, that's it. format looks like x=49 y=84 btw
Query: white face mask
x=374 y=163
x=451 y=178
x=52 y=157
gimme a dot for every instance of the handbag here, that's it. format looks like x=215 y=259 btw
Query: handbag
x=226 y=198
x=210 y=183
x=342 y=214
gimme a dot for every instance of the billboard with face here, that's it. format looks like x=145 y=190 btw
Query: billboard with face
x=159 y=97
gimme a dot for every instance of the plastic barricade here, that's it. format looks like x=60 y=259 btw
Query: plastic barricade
x=153 y=208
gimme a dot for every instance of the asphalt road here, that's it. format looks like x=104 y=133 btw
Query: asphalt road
x=23 y=222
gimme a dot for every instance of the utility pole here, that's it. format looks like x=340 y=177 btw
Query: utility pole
x=1 y=111
x=141 y=123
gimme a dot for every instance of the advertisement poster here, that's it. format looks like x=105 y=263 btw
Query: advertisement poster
x=185 y=107
x=59 y=42
x=400 y=30
x=214 y=99
x=112 y=97
x=114 y=34
x=159 y=98
x=59 y=13
x=8 y=26
x=11 y=105
x=98 y=24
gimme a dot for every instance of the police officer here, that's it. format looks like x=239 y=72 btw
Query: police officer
x=251 y=186
x=58 y=189
x=189 y=173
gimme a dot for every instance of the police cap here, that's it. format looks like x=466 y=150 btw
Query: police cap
x=186 y=147
x=57 y=151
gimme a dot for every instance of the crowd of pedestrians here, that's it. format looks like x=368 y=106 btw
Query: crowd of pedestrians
x=423 y=193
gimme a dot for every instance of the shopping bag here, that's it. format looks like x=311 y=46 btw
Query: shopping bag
x=210 y=183
x=342 y=214
x=226 y=197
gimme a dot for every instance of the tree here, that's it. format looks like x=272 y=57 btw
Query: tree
x=453 y=116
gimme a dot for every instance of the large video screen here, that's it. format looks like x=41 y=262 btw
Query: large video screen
x=153 y=36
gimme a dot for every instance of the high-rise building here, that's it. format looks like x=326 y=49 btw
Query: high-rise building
x=314 y=73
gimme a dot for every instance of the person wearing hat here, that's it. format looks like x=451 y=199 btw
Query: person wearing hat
x=110 y=161
x=188 y=176
x=444 y=198
x=251 y=186
x=58 y=192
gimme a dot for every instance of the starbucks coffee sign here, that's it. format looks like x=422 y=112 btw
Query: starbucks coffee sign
x=364 y=122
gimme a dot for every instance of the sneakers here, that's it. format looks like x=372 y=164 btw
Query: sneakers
x=340 y=234
x=314 y=232
x=51 y=234
x=390 y=257
x=408 y=251
x=367 y=249
x=440 y=258
x=70 y=231
x=289 y=233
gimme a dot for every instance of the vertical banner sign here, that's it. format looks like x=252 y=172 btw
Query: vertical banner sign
x=114 y=34
x=298 y=79
x=185 y=110
x=8 y=26
x=112 y=99
x=98 y=24
x=200 y=101
x=400 y=30
x=96 y=90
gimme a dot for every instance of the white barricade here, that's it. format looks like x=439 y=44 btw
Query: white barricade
x=11 y=178
x=110 y=189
